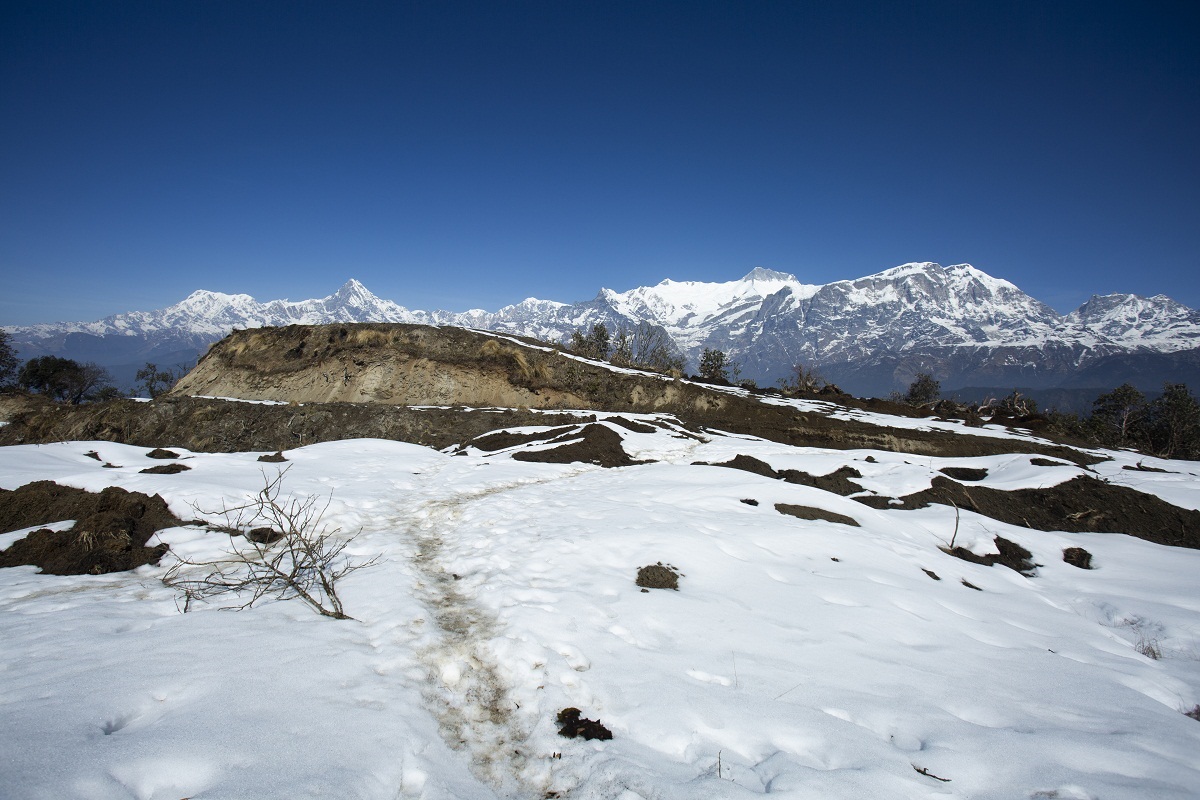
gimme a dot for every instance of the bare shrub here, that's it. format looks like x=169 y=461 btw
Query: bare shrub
x=302 y=559
x=1149 y=647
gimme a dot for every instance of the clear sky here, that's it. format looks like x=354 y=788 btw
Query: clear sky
x=468 y=155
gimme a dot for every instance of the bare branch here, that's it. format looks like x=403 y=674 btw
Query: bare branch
x=278 y=549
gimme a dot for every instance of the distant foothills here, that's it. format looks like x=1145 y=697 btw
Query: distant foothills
x=976 y=334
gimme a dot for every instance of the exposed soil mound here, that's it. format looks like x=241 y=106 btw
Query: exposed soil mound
x=594 y=444
x=573 y=725
x=1080 y=505
x=272 y=458
x=1078 y=557
x=110 y=532
x=658 y=576
x=1010 y=555
x=964 y=473
x=837 y=481
x=810 y=513
x=159 y=452
x=165 y=469
x=502 y=440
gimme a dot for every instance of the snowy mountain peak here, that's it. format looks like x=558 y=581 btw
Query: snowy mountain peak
x=764 y=274
x=955 y=320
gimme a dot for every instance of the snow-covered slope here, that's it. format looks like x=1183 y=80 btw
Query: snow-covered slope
x=871 y=334
x=839 y=660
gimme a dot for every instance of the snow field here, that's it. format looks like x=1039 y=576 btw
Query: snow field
x=798 y=658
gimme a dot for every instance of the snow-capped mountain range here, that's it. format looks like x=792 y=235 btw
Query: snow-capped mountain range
x=869 y=335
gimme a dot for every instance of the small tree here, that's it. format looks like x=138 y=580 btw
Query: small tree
x=804 y=378
x=714 y=365
x=154 y=381
x=63 y=379
x=1118 y=415
x=924 y=389
x=283 y=552
x=594 y=344
x=652 y=349
x=1173 y=422
x=8 y=361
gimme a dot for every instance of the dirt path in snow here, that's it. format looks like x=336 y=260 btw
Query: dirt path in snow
x=466 y=693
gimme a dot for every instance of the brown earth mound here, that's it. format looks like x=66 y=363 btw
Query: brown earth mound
x=964 y=473
x=810 y=513
x=658 y=576
x=593 y=444
x=1010 y=555
x=572 y=724
x=110 y=532
x=1080 y=505
x=165 y=469
x=837 y=481
x=502 y=440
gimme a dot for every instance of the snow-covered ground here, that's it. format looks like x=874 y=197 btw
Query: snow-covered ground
x=808 y=659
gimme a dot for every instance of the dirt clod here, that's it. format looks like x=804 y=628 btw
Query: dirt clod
x=159 y=452
x=272 y=458
x=810 y=513
x=165 y=469
x=263 y=535
x=1045 y=462
x=750 y=501
x=573 y=725
x=1078 y=557
x=657 y=576
x=931 y=573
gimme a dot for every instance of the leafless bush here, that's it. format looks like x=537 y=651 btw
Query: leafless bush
x=283 y=552
x=1149 y=647
x=804 y=378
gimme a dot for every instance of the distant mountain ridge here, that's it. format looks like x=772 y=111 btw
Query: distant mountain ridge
x=870 y=335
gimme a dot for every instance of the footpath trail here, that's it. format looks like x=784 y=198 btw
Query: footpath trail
x=476 y=712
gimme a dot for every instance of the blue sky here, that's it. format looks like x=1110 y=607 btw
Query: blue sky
x=458 y=155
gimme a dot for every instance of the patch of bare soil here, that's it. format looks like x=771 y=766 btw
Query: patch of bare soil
x=1010 y=555
x=165 y=469
x=837 y=481
x=1140 y=467
x=632 y=425
x=594 y=444
x=502 y=440
x=110 y=532
x=272 y=458
x=810 y=513
x=1045 y=462
x=159 y=452
x=1078 y=557
x=964 y=473
x=1080 y=505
